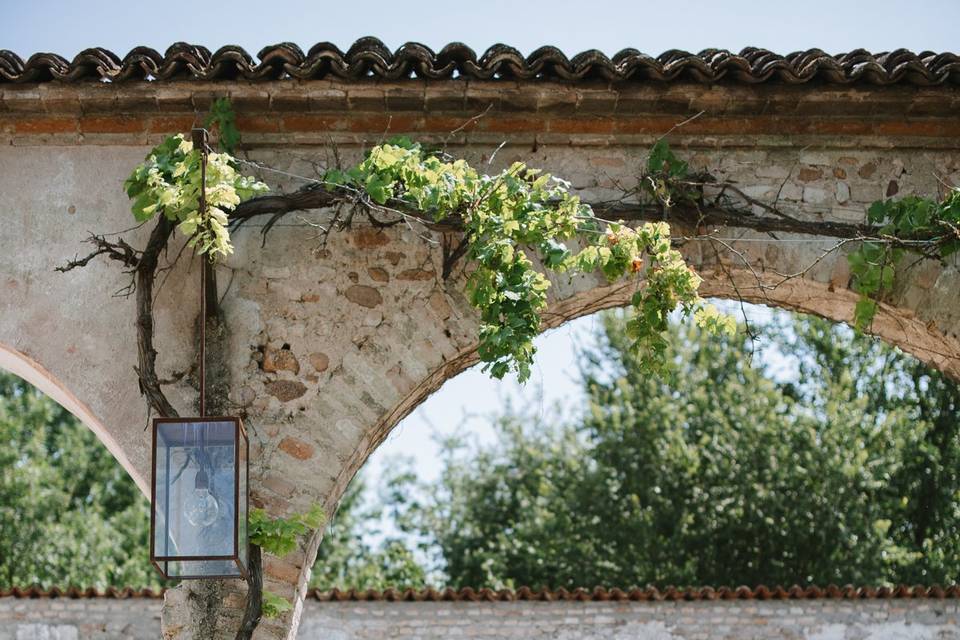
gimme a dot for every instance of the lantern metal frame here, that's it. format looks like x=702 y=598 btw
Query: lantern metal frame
x=240 y=440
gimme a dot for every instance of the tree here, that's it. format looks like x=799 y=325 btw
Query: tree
x=69 y=513
x=926 y=485
x=348 y=558
x=720 y=472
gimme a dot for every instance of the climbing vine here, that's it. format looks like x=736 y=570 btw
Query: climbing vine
x=520 y=215
x=913 y=224
x=279 y=536
x=520 y=228
x=167 y=183
x=510 y=220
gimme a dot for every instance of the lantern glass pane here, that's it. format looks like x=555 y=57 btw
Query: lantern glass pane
x=195 y=510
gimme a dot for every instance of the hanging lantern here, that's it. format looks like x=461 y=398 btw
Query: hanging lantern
x=198 y=523
x=198 y=492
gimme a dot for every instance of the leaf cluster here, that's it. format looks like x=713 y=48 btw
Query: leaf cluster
x=273 y=606
x=931 y=228
x=521 y=225
x=224 y=119
x=279 y=536
x=168 y=183
x=664 y=171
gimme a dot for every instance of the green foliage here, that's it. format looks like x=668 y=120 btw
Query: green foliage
x=520 y=212
x=719 y=473
x=664 y=170
x=224 y=119
x=874 y=262
x=168 y=183
x=509 y=219
x=273 y=606
x=347 y=558
x=69 y=514
x=279 y=535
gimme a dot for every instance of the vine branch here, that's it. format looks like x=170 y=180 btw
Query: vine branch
x=119 y=251
x=146 y=354
x=319 y=196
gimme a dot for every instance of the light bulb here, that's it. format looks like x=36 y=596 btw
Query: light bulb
x=200 y=507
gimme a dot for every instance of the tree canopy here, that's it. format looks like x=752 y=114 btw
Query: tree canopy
x=841 y=469
x=69 y=513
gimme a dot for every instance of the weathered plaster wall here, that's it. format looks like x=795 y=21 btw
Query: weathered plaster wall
x=330 y=346
x=137 y=619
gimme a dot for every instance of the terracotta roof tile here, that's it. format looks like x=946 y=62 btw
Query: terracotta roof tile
x=598 y=594
x=370 y=58
x=76 y=592
x=637 y=595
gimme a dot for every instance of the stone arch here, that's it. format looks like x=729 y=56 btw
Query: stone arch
x=897 y=326
x=405 y=335
x=36 y=374
x=370 y=328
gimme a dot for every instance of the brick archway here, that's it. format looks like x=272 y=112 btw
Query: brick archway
x=36 y=374
x=327 y=348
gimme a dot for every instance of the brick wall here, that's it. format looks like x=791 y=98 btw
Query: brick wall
x=823 y=619
x=79 y=619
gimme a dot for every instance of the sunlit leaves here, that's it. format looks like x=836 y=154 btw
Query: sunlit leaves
x=168 y=183
x=519 y=223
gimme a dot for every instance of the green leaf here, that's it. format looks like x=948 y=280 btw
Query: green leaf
x=144 y=207
x=273 y=606
x=314 y=517
x=878 y=211
x=863 y=313
x=379 y=188
x=223 y=118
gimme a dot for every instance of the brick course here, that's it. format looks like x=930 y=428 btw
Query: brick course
x=888 y=619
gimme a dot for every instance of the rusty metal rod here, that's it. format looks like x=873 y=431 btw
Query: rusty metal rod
x=200 y=140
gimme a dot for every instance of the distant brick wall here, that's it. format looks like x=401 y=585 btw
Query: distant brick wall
x=105 y=619
x=79 y=619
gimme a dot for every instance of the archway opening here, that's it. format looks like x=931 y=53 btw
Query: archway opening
x=70 y=513
x=808 y=455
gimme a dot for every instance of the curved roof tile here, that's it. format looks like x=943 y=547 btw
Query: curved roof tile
x=599 y=594
x=370 y=58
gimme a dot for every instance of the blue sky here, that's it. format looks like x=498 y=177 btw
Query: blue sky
x=66 y=27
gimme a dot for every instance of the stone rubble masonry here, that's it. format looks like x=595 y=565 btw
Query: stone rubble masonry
x=330 y=345
x=887 y=619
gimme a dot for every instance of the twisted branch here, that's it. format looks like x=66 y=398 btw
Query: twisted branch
x=146 y=354
x=119 y=251
x=317 y=196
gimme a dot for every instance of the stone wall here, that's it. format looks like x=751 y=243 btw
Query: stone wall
x=79 y=618
x=822 y=619
x=327 y=347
